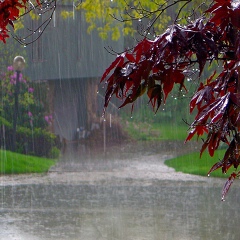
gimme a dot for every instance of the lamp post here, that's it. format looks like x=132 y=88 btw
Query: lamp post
x=18 y=66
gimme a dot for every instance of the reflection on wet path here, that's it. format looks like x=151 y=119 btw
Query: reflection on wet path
x=132 y=209
x=119 y=212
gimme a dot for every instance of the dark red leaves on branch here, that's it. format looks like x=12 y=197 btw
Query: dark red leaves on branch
x=157 y=65
x=9 y=12
x=228 y=184
x=225 y=11
x=162 y=61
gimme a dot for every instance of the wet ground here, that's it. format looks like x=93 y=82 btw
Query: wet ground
x=125 y=193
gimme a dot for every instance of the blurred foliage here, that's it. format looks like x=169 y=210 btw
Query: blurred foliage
x=171 y=122
x=66 y=14
x=9 y=51
x=27 y=103
x=174 y=111
x=120 y=18
x=144 y=131
x=33 y=119
x=127 y=18
x=36 y=141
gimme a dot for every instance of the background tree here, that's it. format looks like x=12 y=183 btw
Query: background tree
x=184 y=50
x=139 y=17
x=105 y=16
x=114 y=13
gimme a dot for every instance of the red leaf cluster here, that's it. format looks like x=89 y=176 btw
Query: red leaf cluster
x=218 y=114
x=228 y=184
x=164 y=60
x=157 y=65
x=9 y=11
x=225 y=11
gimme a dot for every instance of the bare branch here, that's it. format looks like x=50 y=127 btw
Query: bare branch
x=41 y=11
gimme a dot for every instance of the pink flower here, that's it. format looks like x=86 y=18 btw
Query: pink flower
x=48 y=119
x=12 y=81
x=30 y=90
x=10 y=68
x=13 y=76
x=30 y=114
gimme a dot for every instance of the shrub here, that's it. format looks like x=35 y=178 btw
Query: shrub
x=32 y=121
x=37 y=141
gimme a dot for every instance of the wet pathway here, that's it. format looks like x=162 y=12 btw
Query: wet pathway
x=124 y=194
x=134 y=162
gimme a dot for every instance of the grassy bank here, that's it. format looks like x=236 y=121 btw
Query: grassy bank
x=14 y=163
x=156 y=131
x=193 y=164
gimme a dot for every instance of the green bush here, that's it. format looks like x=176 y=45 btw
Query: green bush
x=33 y=118
x=54 y=153
x=37 y=141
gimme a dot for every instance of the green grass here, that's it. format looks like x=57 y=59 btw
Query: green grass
x=156 y=131
x=193 y=164
x=14 y=163
x=170 y=131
